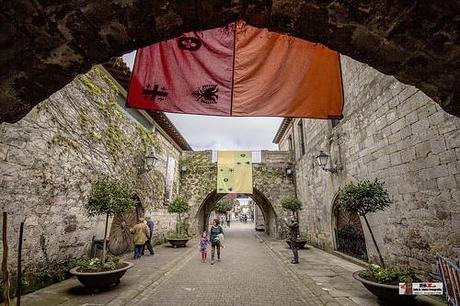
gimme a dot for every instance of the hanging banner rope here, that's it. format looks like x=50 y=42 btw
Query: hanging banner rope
x=234 y=172
x=238 y=70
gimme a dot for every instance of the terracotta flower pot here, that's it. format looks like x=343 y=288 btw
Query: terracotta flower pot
x=177 y=243
x=300 y=243
x=105 y=279
x=385 y=292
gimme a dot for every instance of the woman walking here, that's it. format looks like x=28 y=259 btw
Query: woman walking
x=214 y=233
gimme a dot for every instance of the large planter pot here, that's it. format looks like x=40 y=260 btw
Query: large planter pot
x=299 y=243
x=178 y=243
x=105 y=279
x=389 y=293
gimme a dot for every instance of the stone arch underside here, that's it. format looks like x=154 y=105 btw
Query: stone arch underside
x=44 y=46
x=268 y=211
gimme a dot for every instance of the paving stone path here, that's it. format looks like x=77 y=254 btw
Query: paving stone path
x=254 y=270
x=248 y=274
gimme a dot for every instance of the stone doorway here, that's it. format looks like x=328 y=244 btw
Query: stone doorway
x=120 y=238
x=348 y=234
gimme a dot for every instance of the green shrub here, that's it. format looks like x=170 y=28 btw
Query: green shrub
x=110 y=197
x=363 y=197
x=291 y=203
x=95 y=264
x=388 y=275
x=224 y=206
x=43 y=275
x=179 y=206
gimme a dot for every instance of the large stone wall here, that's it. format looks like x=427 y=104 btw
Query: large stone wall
x=395 y=133
x=49 y=160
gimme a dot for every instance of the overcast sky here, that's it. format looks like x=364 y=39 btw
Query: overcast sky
x=227 y=133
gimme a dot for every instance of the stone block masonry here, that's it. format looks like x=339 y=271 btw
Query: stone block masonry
x=49 y=160
x=397 y=134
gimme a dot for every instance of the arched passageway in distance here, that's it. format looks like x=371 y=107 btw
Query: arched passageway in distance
x=46 y=44
x=269 y=214
x=271 y=183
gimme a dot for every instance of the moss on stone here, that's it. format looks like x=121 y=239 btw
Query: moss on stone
x=91 y=86
x=107 y=80
x=63 y=141
x=86 y=120
x=148 y=140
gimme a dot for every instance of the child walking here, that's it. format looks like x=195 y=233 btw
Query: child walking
x=204 y=241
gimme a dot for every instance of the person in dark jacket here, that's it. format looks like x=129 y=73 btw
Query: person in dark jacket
x=293 y=234
x=214 y=236
x=148 y=243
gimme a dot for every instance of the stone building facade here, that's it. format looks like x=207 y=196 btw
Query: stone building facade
x=50 y=159
x=393 y=132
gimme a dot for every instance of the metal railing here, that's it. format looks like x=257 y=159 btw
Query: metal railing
x=450 y=276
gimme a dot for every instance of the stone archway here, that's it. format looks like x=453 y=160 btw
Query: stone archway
x=270 y=179
x=45 y=45
x=270 y=216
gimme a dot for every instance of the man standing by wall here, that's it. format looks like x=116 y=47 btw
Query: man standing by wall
x=293 y=233
x=148 y=243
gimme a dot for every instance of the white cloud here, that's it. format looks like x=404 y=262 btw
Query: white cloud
x=229 y=133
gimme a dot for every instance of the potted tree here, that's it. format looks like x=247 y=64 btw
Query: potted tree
x=294 y=205
x=108 y=197
x=365 y=197
x=180 y=238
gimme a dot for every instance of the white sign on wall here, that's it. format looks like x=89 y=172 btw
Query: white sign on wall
x=170 y=169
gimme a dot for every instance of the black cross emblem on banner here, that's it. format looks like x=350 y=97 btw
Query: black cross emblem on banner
x=155 y=93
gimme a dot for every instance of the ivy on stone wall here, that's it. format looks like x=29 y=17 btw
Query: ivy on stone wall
x=103 y=128
x=149 y=141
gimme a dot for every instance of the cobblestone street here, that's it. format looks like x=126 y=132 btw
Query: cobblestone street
x=254 y=270
x=247 y=275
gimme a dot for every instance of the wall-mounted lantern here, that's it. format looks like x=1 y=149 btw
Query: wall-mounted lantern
x=322 y=159
x=150 y=161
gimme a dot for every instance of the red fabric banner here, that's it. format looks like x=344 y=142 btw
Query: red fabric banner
x=238 y=70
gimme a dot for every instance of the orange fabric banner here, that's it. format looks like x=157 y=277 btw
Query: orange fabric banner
x=280 y=74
